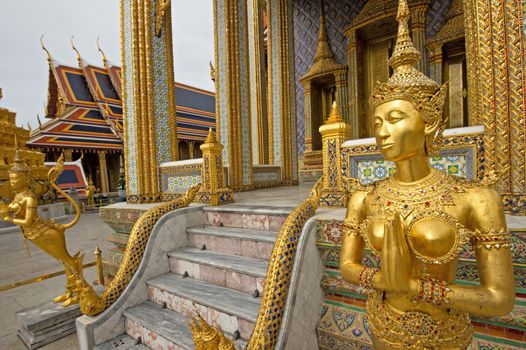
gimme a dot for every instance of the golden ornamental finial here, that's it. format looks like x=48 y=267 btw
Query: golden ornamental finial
x=104 y=60
x=44 y=48
x=19 y=164
x=334 y=116
x=323 y=50
x=404 y=52
x=79 y=59
x=39 y=121
x=211 y=138
x=212 y=72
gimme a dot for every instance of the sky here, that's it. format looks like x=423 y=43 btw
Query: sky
x=23 y=64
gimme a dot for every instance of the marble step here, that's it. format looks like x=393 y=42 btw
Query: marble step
x=230 y=309
x=121 y=342
x=241 y=273
x=161 y=328
x=256 y=217
x=158 y=328
x=233 y=240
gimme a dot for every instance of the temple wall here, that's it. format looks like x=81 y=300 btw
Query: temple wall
x=339 y=15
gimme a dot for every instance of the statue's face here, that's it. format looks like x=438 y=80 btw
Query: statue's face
x=399 y=130
x=18 y=181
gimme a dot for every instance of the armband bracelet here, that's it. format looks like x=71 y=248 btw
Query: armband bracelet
x=351 y=228
x=367 y=277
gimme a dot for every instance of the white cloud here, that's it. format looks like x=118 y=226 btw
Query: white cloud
x=23 y=65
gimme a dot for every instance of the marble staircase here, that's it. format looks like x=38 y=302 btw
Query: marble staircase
x=220 y=273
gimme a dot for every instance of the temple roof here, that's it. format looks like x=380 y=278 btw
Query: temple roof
x=85 y=108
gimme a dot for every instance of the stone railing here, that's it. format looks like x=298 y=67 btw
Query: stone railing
x=178 y=176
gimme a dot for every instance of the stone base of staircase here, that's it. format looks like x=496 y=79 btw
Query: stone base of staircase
x=219 y=273
x=46 y=323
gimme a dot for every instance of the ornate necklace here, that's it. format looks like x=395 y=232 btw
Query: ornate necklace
x=428 y=194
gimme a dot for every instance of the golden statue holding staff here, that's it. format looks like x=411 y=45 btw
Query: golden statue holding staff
x=418 y=221
x=90 y=193
x=45 y=234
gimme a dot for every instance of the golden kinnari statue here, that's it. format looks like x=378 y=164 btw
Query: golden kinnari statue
x=418 y=221
x=45 y=234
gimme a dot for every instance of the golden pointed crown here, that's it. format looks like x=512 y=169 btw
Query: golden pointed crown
x=409 y=84
x=19 y=164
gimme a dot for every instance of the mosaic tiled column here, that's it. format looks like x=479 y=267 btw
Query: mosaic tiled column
x=258 y=77
x=308 y=122
x=435 y=63
x=418 y=33
x=496 y=75
x=356 y=98
x=150 y=135
x=233 y=116
x=334 y=133
x=213 y=190
x=282 y=90
x=342 y=96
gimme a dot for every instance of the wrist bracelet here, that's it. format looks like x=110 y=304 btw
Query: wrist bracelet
x=432 y=291
x=367 y=277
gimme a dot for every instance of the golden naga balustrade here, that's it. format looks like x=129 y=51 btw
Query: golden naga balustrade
x=90 y=303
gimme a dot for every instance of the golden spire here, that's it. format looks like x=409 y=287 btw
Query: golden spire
x=79 y=59
x=211 y=138
x=334 y=116
x=323 y=50
x=19 y=164
x=44 y=48
x=104 y=60
x=404 y=52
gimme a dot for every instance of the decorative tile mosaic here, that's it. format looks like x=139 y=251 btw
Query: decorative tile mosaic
x=244 y=90
x=462 y=155
x=160 y=95
x=180 y=184
x=221 y=95
x=266 y=174
x=275 y=81
x=131 y=144
x=252 y=59
x=372 y=170
x=342 y=326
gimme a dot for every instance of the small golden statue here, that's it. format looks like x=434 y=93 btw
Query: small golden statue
x=90 y=193
x=418 y=221
x=45 y=234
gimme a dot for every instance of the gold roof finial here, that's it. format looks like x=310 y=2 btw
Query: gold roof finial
x=44 y=48
x=212 y=72
x=323 y=50
x=79 y=59
x=39 y=121
x=104 y=60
